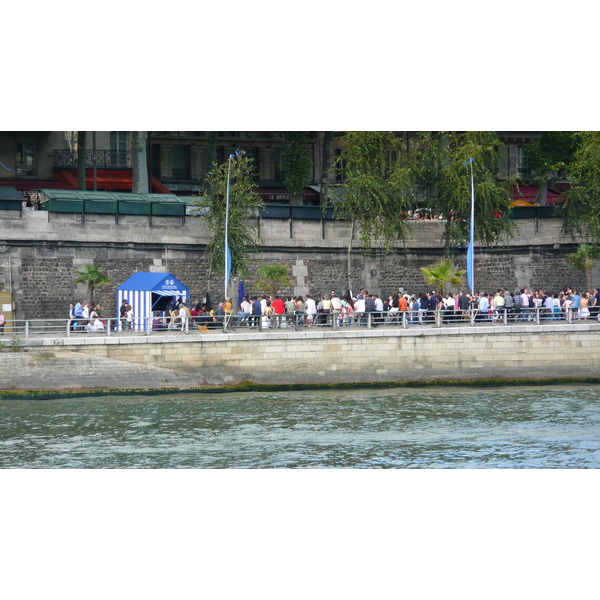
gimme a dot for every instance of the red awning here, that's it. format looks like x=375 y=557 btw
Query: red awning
x=109 y=180
x=529 y=193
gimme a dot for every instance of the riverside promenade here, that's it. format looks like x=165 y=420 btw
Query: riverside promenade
x=383 y=355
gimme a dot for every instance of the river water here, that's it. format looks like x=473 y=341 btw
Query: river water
x=444 y=427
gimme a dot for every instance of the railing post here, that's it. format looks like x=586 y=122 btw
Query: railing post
x=569 y=315
x=505 y=317
x=438 y=320
x=68 y=328
x=260 y=322
x=472 y=316
x=537 y=315
x=369 y=320
x=108 y=326
x=403 y=319
x=334 y=320
x=26 y=329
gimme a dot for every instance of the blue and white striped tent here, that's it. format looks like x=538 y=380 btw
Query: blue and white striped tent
x=150 y=292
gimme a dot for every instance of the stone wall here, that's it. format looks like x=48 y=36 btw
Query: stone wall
x=310 y=357
x=41 y=252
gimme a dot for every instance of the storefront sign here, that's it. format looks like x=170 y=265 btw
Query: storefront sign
x=183 y=187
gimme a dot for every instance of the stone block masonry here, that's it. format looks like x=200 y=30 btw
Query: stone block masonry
x=41 y=252
x=312 y=357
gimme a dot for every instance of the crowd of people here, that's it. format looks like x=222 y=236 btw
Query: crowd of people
x=86 y=317
x=520 y=305
x=349 y=310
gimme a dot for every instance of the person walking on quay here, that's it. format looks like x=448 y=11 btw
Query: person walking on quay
x=370 y=309
x=311 y=310
x=256 y=312
x=78 y=314
x=278 y=307
x=184 y=314
x=123 y=314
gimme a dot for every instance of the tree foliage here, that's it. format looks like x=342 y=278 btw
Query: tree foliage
x=273 y=278
x=582 y=207
x=244 y=206
x=550 y=152
x=93 y=276
x=296 y=161
x=375 y=196
x=547 y=155
x=443 y=273
x=442 y=182
x=584 y=260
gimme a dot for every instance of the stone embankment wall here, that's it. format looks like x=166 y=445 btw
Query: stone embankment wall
x=533 y=352
x=40 y=253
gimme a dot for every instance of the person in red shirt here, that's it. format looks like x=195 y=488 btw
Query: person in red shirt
x=278 y=307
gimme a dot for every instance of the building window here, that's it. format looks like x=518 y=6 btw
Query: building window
x=340 y=166
x=512 y=162
x=25 y=160
x=180 y=162
x=278 y=172
x=118 y=141
x=392 y=158
x=253 y=153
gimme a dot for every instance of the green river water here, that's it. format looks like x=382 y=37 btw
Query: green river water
x=446 y=427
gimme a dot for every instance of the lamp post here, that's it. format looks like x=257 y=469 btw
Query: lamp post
x=227 y=252
x=470 y=249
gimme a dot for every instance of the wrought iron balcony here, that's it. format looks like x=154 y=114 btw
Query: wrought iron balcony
x=105 y=159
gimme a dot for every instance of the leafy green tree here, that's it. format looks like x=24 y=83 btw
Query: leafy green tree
x=273 y=278
x=443 y=273
x=442 y=183
x=375 y=196
x=93 y=276
x=296 y=161
x=244 y=206
x=547 y=155
x=581 y=210
x=584 y=260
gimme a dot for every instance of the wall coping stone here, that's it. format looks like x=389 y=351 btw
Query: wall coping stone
x=130 y=339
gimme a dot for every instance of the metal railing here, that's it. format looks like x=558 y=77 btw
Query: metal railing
x=105 y=159
x=338 y=321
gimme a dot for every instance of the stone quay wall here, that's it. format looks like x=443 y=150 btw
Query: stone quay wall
x=40 y=253
x=461 y=354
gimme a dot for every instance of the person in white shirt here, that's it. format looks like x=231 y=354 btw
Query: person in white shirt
x=310 y=308
x=359 y=310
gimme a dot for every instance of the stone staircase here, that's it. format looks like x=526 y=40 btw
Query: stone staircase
x=62 y=369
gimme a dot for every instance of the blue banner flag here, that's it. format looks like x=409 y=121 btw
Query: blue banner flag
x=236 y=153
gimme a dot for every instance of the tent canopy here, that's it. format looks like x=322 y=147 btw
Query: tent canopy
x=163 y=284
x=148 y=293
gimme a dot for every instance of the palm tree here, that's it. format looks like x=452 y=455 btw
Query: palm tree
x=583 y=260
x=273 y=277
x=93 y=276
x=443 y=273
